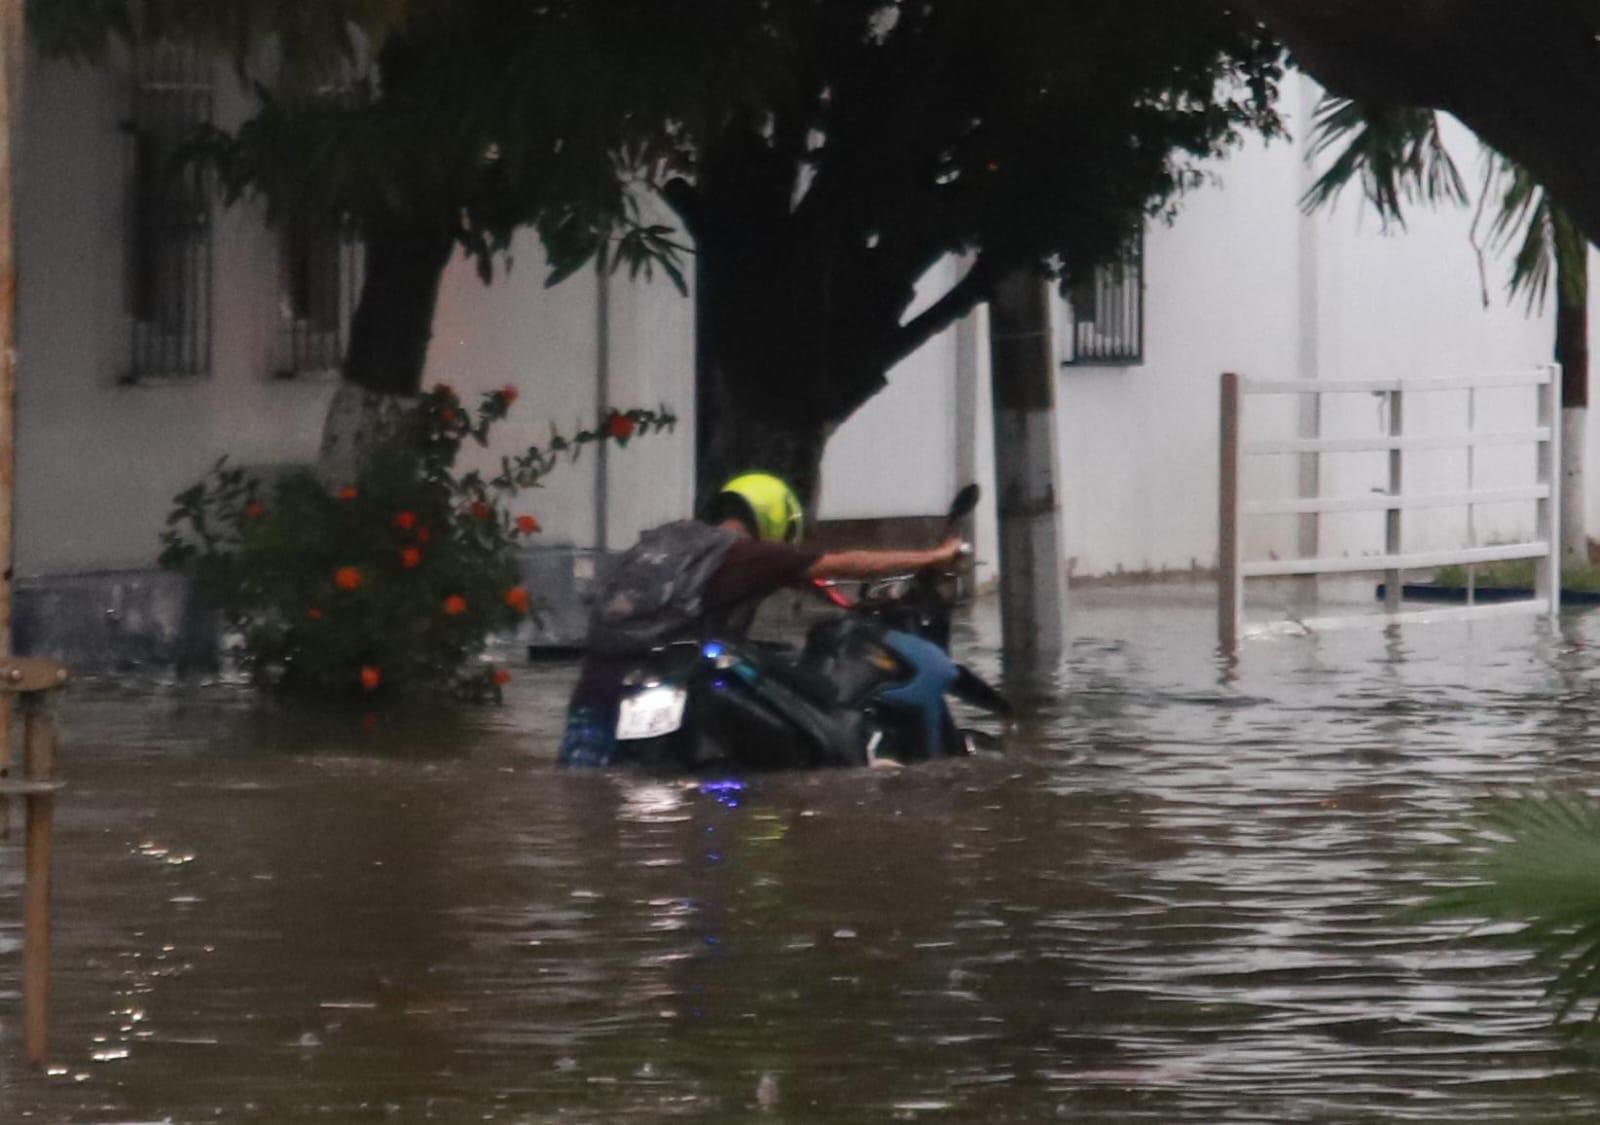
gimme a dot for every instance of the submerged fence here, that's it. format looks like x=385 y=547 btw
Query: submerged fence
x=1392 y=500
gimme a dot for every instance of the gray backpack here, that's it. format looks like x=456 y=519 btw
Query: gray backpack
x=655 y=591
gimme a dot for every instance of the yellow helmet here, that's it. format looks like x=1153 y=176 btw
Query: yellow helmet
x=773 y=504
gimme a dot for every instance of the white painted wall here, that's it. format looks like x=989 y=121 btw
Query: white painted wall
x=99 y=462
x=895 y=456
x=1227 y=286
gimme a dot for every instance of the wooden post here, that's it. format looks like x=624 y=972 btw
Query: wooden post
x=11 y=31
x=1230 y=579
x=1394 y=579
x=1472 y=484
x=39 y=752
x=1547 y=571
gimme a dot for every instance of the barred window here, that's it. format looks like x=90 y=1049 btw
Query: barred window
x=169 y=216
x=320 y=277
x=1106 y=313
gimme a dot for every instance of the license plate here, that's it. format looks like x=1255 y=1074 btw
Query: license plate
x=651 y=713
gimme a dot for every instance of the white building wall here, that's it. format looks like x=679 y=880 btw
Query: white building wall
x=99 y=462
x=1237 y=283
x=896 y=455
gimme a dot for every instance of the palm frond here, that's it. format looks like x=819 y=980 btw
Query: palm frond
x=1548 y=244
x=1523 y=220
x=1396 y=153
x=1540 y=868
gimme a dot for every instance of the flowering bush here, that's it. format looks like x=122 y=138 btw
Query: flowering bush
x=391 y=581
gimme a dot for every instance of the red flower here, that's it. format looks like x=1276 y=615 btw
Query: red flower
x=528 y=525
x=508 y=393
x=455 y=605
x=254 y=510
x=370 y=677
x=447 y=416
x=347 y=493
x=405 y=521
x=500 y=677
x=313 y=614
x=410 y=558
x=444 y=390
x=620 y=426
x=480 y=510
x=348 y=578
x=517 y=599
x=423 y=535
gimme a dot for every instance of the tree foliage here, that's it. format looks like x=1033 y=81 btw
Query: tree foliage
x=1398 y=156
x=1537 y=869
x=822 y=155
x=483 y=116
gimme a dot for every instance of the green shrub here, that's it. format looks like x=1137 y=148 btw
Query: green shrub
x=1519 y=574
x=391 y=582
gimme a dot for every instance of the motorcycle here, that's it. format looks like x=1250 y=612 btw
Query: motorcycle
x=868 y=686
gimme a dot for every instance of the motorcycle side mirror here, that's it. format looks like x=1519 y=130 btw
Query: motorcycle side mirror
x=965 y=503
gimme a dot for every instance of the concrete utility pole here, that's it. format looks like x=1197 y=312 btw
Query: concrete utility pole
x=1033 y=573
x=11 y=49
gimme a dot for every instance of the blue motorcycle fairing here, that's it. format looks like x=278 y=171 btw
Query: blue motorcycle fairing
x=932 y=673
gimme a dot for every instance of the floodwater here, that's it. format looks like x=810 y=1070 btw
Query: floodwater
x=1175 y=897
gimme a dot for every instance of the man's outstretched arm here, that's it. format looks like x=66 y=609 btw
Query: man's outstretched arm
x=873 y=564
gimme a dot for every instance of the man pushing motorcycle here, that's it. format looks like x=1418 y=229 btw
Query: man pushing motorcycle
x=701 y=580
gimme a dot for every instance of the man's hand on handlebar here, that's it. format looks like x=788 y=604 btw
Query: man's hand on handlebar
x=949 y=552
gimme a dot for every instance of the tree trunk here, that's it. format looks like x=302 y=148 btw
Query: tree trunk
x=389 y=336
x=393 y=321
x=733 y=439
x=1572 y=353
x=786 y=352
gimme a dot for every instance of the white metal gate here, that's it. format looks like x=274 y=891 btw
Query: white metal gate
x=1233 y=569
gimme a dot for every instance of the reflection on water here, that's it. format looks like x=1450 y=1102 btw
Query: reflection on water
x=1174 y=898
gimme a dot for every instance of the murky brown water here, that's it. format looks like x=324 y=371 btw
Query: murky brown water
x=1173 y=899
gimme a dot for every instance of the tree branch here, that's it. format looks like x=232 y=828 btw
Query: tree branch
x=962 y=297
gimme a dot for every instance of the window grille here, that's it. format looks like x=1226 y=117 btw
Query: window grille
x=1106 y=313
x=169 y=216
x=321 y=265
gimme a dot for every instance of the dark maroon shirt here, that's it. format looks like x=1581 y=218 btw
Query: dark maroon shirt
x=750 y=571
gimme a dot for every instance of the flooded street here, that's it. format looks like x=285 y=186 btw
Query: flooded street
x=1174 y=898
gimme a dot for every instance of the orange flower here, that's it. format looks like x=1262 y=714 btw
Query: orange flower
x=347 y=493
x=423 y=535
x=348 y=578
x=620 y=426
x=254 y=510
x=455 y=605
x=517 y=599
x=500 y=677
x=405 y=521
x=410 y=558
x=509 y=393
x=370 y=677
x=480 y=510
x=528 y=525
x=313 y=614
